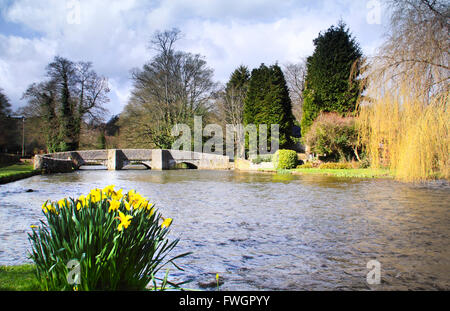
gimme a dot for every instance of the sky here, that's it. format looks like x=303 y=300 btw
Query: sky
x=114 y=35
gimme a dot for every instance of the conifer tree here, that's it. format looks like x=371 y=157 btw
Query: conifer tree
x=239 y=79
x=331 y=78
x=268 y=102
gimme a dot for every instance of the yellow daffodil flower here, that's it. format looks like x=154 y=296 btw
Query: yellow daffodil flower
x=131 y=193
x=82 y=202
x=46 y=207
x=150 y=210
x=117 y=195
x=108 y=190
x=62 y=203
x=127 y=205
x=113 y=205
x=142 y=203
x=125 y=221
x=95 y=195
x=135 y=199
x=166 y=223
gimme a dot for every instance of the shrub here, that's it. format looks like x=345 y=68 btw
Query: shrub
x=262 y=158
x=338 y=166
x=306 y=165
x=119 y=241
x=365 y=162
x=284 y=159
x=334 y=136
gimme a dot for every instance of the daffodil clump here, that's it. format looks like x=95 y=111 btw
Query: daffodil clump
x=119 y=239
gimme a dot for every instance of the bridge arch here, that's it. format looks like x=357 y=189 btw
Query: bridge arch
x=189 y=165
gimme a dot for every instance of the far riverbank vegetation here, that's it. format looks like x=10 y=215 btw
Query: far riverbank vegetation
x=338 y=110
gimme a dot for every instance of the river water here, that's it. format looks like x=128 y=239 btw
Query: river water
x=269 y=231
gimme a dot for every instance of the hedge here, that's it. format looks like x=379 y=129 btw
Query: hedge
x=284 y=159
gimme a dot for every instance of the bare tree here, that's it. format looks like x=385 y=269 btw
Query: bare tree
x=92 y=92
x=295 y=74
x=171 y=88
x=72 y=94
x=229 y=101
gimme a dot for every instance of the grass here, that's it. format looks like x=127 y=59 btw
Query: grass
x=18 y=278
x=357 y=172
x=23 y=278
x=354 y=173
x=15 y=172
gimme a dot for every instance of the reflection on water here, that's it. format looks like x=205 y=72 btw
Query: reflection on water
x=266 y=231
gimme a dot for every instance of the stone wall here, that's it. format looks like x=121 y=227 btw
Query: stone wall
x=246 y=165
x=53 y=165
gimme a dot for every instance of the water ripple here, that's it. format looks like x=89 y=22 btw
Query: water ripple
x=264 y=231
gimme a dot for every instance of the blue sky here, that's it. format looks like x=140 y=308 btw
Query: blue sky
x=114 y=35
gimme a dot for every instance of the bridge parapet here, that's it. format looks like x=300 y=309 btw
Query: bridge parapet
x=199 y=159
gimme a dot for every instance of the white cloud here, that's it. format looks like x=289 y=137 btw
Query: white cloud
x=114 y=35
x=119 y=94
x=23 y=61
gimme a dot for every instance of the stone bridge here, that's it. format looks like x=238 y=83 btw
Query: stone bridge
x=116 y=159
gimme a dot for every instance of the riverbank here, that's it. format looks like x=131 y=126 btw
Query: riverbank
x=18 y=278
x=353 y=173
x=16 y=171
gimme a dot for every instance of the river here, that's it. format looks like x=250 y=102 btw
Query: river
x=263 y=231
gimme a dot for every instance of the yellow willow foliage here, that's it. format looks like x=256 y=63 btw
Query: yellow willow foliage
x=400 y=131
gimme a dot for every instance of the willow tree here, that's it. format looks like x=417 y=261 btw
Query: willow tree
x=404 y=121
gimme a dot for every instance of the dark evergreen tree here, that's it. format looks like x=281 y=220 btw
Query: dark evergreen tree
x=233 y=96
x=268 y=102
x=5 y=106
x=62 y=73
x=5 y=112
x=239 y=79
x=331 y=78
x=112 y=127
x=101 y=140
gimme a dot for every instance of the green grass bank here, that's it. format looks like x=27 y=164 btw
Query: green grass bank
x=18 y=278
x=16 y=171
x=353 y=173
